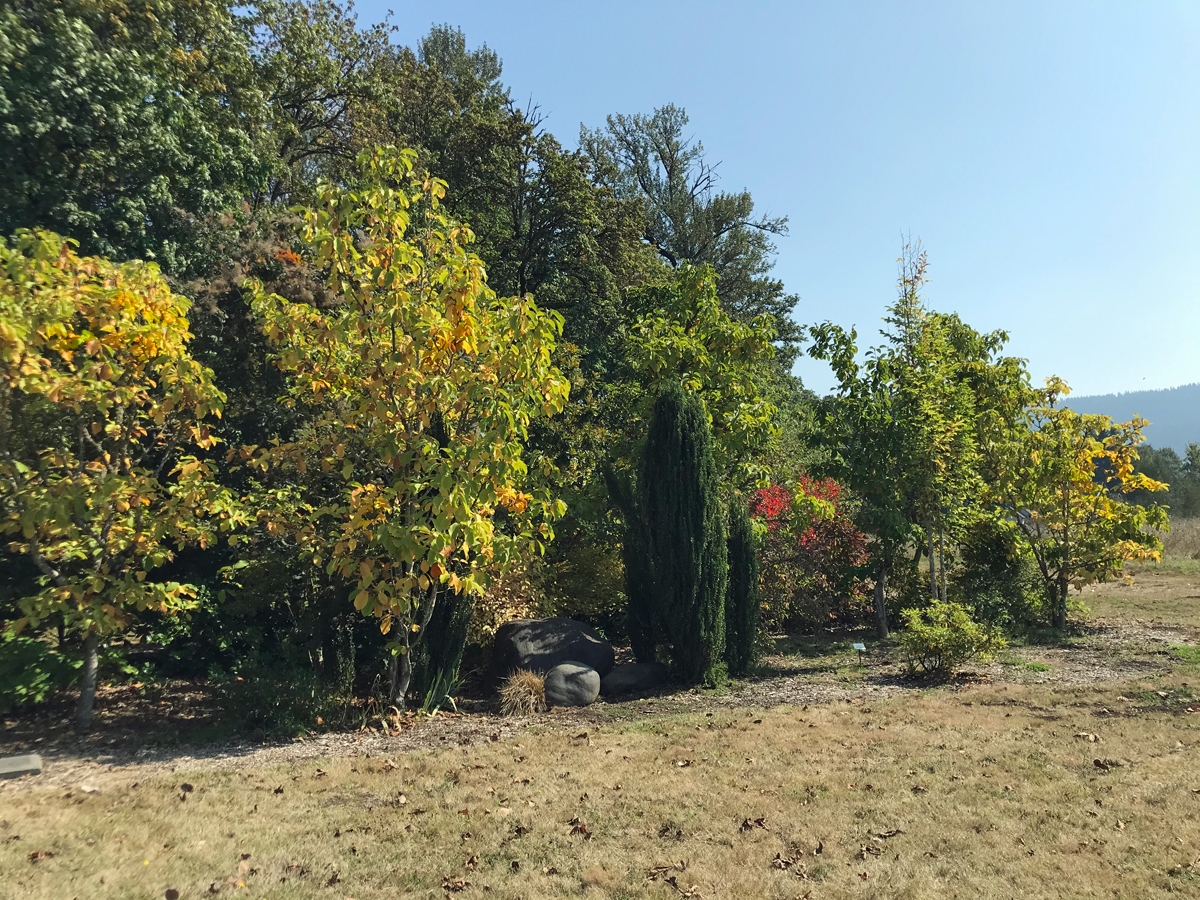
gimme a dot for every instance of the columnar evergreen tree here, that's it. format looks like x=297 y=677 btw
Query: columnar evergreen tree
x=678 y=491
x=741 y=595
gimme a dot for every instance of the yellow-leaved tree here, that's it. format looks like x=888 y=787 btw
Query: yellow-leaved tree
x=102 y=413
x=419 y=386
x=1064 y=486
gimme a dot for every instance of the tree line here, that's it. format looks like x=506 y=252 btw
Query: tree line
x=311 y=344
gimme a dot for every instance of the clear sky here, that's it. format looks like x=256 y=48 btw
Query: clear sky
x=1047 y=154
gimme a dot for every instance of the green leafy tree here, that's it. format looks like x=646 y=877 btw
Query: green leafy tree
x=651 y=159
x=420 y=386
x=688 y=564
x=102 y=413
x=1065 y=489
x=132 y=128
x=909 y=429
x=682 y=336
x=741 y=596
x=329 y=85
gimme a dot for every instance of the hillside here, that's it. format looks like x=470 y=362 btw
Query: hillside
x=1174 y=413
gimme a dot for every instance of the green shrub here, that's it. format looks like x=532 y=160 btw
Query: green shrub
x=586 y=581
x=943 y=636
x=996 y=580
x=30 y=670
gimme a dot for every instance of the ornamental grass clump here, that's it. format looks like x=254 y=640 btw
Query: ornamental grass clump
x=943 y=636
x=523 y=694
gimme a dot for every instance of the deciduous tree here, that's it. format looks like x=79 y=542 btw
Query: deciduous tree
x=421 y=385
x=1065 y=487
x=102 y=415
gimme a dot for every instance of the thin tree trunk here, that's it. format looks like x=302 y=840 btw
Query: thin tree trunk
x=881 y=622
x=401 y=677
x=933 y=591
x=1060 y=604
x=87 y=689
x=942 y=557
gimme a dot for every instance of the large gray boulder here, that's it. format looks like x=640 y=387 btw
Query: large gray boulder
x=541 y=644
x=572 y=684
x=634 y=678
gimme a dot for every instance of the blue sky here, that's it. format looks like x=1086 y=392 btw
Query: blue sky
x=1047 y=154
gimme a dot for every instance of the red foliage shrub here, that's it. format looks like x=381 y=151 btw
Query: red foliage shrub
x=809 y=567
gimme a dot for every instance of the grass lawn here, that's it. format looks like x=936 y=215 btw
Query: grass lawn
x=996 y=786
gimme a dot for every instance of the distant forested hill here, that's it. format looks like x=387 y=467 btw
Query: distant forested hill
x=1174 y=413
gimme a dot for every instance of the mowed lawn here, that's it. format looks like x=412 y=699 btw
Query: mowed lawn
x=973 y=790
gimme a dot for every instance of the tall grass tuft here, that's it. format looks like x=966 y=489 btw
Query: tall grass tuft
x=523 y=694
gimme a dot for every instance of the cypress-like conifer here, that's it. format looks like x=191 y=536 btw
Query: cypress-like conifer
x=741 y=597
x=678 y=489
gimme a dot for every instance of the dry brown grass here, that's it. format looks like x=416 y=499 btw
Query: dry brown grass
x=987 y=792
x=1183 y=540
x=1155 y=594
x=523 y=694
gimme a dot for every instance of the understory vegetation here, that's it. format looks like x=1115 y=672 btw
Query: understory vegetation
x=321 y=359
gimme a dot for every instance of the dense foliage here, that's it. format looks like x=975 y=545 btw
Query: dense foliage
x=290 y=410
x=814 y=557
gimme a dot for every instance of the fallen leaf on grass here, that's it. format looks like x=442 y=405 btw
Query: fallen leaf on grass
x=454 y=886
x=689 y=891
x=889 y=834
x=279 y=790
x=789 y=864
x=578 y=827
x=864 y=875
x=40 y=854
x=471 y=863
x=1086 y=736
x=1105 y=764
x=751 y=824
x=683 y=763
x=549 y=870
x=333 y=879
x=917 y=789
x=656 y=872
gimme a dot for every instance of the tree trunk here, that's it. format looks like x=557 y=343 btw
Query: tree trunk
x=942 y=558
x=87 y=689
x=933 y=591
x=401 y=677
x=1060 y=604
x=881 y=623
